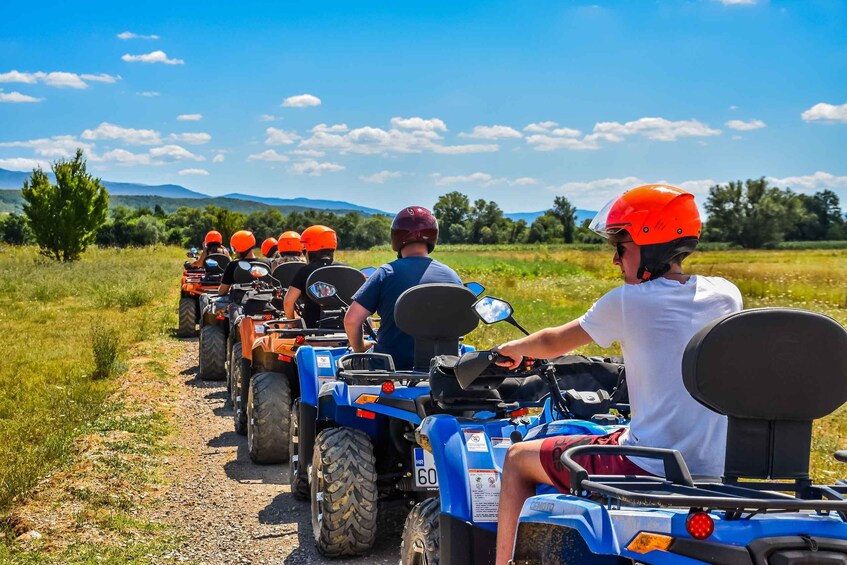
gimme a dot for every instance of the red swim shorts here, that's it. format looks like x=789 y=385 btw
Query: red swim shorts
x=553 y=447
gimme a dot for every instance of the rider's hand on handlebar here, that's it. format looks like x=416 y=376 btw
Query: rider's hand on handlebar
x=513 y=358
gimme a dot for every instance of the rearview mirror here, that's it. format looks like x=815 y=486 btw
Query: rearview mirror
x=193 y=250
x=475 y=287
x=322 y=290
x=211 y=263
x=258 y=271
x=492 y=310
x=244 y=265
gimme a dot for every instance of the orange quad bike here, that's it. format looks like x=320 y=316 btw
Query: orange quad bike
x=266 y=380
x=197 y=281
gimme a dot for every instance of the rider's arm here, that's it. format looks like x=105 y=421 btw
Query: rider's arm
x=353 y=320
x=291 y=296
x=545 y=344
x=199 y=262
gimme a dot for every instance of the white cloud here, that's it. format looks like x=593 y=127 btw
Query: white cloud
x=202 y=172
x=301 y=101
x=658 y=129
x=596 y=193
x=484 y=179
x=124 y=157
x=175 y=152
x=314 y=168
x=152 y=57
x=525 y=181
x=17 y=98
x=466 y=149
x=811 y=183
x=22 y=163
x=733 y=107
x=308 y=152
x=542 y=142
x=381 y=177
x=738 y=2
x=824 y=112
x=741 y=125
x=189 y=117
x=59 y=146
x=128 y=135
x=269 y=155
x=736 y=137
x=58 y=79
x=149 y=93
x=267 y=118
x=335 y=128
x=433 y=124
x=492 y=132
x=280 y=137
x=129 y=35
x=192 y=138
x=219 y=158
x=540 y=127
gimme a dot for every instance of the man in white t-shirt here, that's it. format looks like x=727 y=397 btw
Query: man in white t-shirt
x=652 y=316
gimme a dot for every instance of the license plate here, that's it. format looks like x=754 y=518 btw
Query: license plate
x=423 y=466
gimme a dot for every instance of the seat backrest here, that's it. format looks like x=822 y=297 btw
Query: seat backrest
x=436 y=315
x=346 y=281
x=285 y=273
x=243 y=276
x=219 y=258
x=771 y=371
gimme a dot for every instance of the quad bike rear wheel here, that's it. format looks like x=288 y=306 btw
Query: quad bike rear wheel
x=296 y=473
x=212 y=353
x=187 y=317
x=233 y=374
x=343 y=492
x=421 y=534
x=268 y=417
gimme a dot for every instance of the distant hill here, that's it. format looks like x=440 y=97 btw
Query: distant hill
x=14 y=180
x=307 y=203
x=581 y=215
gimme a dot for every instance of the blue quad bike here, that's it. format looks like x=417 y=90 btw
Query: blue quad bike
x=580 y=396
x=771 y=371
x=356 y=430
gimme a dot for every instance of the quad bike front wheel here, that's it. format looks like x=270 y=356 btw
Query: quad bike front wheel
x=268 y=417
x=233 y=374
x=296 y=473
x=187 y=317
x=421 y=535
x=344 y=493
x=212 y=353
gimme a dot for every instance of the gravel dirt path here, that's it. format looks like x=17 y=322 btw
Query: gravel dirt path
x=232 y=510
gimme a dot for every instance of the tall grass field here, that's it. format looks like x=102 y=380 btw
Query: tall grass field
x=67 y=327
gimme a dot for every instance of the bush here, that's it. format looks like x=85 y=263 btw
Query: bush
x=104 y=347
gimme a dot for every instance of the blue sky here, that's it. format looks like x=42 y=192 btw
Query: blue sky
x=390 y=104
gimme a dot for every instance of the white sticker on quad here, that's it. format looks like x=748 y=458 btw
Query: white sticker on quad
x=426 y=476
x=324 y=361
x=475 y=440
x=485 y=494
x=501 y=442
x=260 y=329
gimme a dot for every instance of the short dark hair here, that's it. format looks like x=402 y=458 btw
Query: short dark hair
x=321 y=254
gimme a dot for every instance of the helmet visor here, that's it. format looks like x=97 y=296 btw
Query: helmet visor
x=600 y=223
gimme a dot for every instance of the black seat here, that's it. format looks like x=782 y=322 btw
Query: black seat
x=771 y=371
x=285 y=273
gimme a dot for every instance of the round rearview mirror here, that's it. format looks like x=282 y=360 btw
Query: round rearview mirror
x=475 y=287
x=244 y=265
x=211 y=263
x=322 y=290
x=491 y=310
x=193 y=250
x=257 y=271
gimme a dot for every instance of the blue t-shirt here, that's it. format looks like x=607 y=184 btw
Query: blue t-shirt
x=381 y=291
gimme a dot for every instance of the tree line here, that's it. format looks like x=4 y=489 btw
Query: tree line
x=66 y=217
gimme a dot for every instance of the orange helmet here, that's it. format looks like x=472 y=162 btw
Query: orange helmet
x=213 y=237
x=662 y=220
x=242 y=241
x=289 y=242
x=318 y=237
x=268 y=246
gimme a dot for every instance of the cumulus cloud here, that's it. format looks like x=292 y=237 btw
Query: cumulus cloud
x=812 y=183
x=202 y=172
x=124 y=157
x=157 y=56
x=492 y=132
x=596 y=193
x=17 y=98
x=738 y=2
x=58 y=146
x=22 y=163
x=658 y=129
x=128 y=135
x=381 y=177
x=433 y=124
x=335 y=128
x=465 y=149
x=129 y=35
x=58 y=79
x=189 y=117
x=824 y=112
x=483 y=179
x=174 y=152
x=267 y=118
x=191 y=138
x=269 y=155
x=314 y=168
x=219 y=158
x=301 y=101
x=540 y=127
x=149 y=93
x=280 y=137
x=308 y=152
x=741 y=125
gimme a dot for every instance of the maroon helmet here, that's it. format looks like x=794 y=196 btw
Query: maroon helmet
x=414 y=224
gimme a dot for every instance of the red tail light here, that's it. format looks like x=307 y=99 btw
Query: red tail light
x=700 y=525
x=388 y=387
x=267 y=316
x=519 y=412
x=300 y=339
x=367 y=414
x=285 y=358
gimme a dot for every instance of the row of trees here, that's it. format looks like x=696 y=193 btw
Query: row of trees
x=63 y=219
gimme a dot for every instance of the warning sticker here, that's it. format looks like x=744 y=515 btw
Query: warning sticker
x=475 y=440
x=485 y=494
x=259 y=329
x=501 y=442
x=324 y=361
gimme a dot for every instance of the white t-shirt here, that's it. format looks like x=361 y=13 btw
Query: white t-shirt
x=653 y=321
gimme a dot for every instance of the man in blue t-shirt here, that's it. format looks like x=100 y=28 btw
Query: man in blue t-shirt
x=414 y=233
